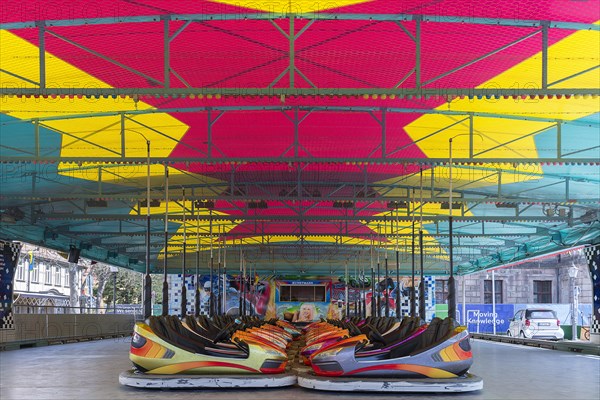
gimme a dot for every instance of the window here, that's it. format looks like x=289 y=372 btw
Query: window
x=518 y=315
x=35 y=273
x=57 y=276
x=48 y=280
x=66 y=280
x=302 y=293
x=21 y=270
x=542 y=291
x=487 y=291
x=540 y=314
x=441 y=291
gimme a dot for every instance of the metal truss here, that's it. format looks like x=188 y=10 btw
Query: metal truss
x=253 y=238
x=431 y=161
x=304 y=16
x=291 y=218
x=380 y=154
x=421 y=88
x=244 y=190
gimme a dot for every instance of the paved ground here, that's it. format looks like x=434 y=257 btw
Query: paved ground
x=90 y=371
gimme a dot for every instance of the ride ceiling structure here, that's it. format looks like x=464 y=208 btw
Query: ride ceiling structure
x=303 y=136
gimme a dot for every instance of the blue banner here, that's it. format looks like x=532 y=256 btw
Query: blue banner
x=480 y=318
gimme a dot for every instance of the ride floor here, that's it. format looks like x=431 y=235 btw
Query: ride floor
x=90 y=370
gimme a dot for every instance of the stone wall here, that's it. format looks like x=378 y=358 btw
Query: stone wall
x=518 y=281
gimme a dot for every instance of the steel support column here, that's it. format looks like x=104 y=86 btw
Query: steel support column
x=292 y=38
x=165 y=287
x=184 y=261
x=42 y=53
x=123 y=144
x=558 y=140
x=166 y=55
x=418 y=52
x=147 y=277
x=544 y=55
x=36 y=133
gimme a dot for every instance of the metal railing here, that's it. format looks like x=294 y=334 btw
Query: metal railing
x=134 y=309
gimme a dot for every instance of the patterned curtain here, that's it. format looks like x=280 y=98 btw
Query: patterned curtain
x=9 y=255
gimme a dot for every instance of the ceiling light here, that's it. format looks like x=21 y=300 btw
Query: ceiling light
x=96 y=203
x=153 y=203
x=397 y=204
x=258 y=204
x=446 y=205
x=506 y=205
x=205 y=204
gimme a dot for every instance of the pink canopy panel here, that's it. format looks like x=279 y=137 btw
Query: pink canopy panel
x=452 y=44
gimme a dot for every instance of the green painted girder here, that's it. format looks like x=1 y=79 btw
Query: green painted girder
x=62 y=242
x=357 y=109
x=115 y=237
x=40 y=199
x=238 y=218
x=446 y=19
x=286 y=160
x=562 y=240
x=408 y=93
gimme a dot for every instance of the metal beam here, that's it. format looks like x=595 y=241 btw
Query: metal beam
x=167 y=54
x=103 y=57
x=545 y=55
x=309 y=109
x=469 y=92
x=292 y=218
x=418 y=53
x=108 y=237
x=566 y=78
x=286 y=160
x=42 y=54
x=480 y=58
x=135 y=196
x=36 y=134
x=241 y=17
x=292 y=55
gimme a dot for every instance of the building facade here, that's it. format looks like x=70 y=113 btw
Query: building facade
x=42 y=282
x=544 y=281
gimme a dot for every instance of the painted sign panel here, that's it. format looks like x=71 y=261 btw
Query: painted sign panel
x=481 y=318
x=293 y=308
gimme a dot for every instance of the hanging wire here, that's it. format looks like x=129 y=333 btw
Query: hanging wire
x=183 y=286
x=165 y=288
x=197 y=298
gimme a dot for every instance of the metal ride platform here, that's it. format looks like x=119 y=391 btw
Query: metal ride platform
x=305 y=378
x=150 y=381
x=466 y=383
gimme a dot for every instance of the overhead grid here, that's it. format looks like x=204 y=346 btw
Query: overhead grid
x=298 y=141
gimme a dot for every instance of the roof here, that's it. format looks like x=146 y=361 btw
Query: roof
x=306 y=138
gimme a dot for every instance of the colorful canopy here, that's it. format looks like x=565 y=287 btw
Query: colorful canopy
x=304 y=134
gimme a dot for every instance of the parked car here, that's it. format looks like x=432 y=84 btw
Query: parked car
x=536 y=323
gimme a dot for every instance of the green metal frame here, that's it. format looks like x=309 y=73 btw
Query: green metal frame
x=419 y=90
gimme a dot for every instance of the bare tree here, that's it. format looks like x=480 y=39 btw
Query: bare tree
x=74 y=288
x=102 y=274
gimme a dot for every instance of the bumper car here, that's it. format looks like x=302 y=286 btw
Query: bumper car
x=359 y=331
x=167 y=346
x=437 y=350
x=291 y=329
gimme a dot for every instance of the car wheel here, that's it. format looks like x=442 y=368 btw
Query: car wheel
x=522 y=335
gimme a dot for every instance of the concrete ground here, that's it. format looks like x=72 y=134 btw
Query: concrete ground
x=90 y=371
